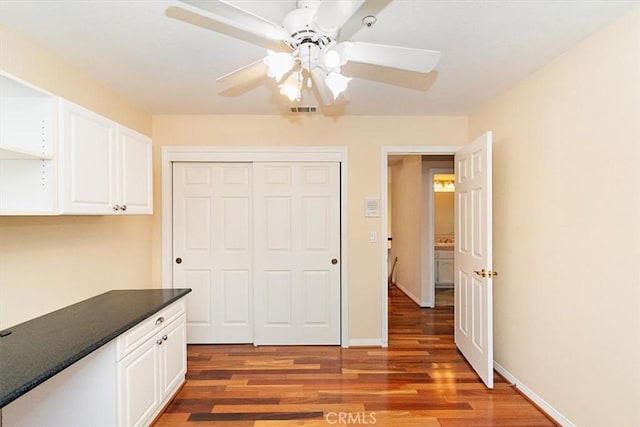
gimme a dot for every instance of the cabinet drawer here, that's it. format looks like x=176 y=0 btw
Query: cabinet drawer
x=133 y=338
x=444 y=254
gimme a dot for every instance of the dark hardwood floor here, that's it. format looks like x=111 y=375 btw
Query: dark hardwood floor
x=419 y=380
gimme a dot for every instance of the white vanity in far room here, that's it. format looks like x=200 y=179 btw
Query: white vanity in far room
x=444 y=261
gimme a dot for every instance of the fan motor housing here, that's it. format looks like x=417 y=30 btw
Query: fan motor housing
x=299 y=23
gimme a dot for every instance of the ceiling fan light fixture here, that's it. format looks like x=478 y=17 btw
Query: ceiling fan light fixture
x=331 y=59
x=337 y=83
x=291 y=88
x=278 y=64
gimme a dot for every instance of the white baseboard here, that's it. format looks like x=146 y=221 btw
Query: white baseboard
x=366 y=342
x=407 y=292
x=550 y=410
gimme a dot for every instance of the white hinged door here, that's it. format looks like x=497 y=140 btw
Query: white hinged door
x=473 y=256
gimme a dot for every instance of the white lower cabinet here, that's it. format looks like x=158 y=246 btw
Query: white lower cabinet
x=149 y=374
x=138 y=385
x=444 y=268
x=124 y=383
x=173 y=356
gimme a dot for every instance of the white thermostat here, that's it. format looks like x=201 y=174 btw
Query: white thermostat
x=371 y=207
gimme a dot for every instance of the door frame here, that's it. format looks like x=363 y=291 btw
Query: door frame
x=338 y=154
x=387 y=151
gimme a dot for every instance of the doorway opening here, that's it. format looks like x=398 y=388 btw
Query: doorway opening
x=409 y=210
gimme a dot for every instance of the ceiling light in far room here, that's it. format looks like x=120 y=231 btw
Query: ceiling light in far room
x=278 y=64
x=444 y=183
x=337 y=83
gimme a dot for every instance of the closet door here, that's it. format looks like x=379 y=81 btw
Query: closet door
x=212 y=250
x=296 y=253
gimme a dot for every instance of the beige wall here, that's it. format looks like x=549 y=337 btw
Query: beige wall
x=443 y=213
x=363 y=136
x=567 y=228
x=407 y=224
x=50 y=262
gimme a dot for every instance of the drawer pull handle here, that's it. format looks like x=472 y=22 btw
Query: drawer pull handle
x=164 y=337
x=159 y=342
x=160 y=320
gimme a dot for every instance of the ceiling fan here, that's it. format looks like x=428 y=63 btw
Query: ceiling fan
x=307 y=50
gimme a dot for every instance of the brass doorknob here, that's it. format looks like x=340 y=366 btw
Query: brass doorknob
x=485 y=273
x=178 y=260
x=334 y=261
x=482 y=273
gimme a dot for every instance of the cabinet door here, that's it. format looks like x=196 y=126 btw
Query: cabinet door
x=88 y=162
x=135 y=172
x=138 y=384
x=173 y=364
x=445 y=271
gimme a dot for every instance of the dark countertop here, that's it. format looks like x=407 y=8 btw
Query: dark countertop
x=40 y=348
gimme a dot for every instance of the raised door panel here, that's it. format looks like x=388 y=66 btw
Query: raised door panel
x=135 y=187
x=88 y=162
x=138 y=385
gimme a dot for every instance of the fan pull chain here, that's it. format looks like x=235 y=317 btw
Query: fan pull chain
x=309 y=69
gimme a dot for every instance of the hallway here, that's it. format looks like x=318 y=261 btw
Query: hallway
x=419 y=380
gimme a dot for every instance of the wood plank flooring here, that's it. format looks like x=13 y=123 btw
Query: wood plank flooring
x=419 y=380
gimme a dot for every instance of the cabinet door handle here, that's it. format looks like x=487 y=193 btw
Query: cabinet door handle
x=159 y=342
x=116 y=208
x=160 y=320
x=123 y=207
x=164 y=337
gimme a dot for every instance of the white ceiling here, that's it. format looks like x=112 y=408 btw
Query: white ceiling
x=170 y=67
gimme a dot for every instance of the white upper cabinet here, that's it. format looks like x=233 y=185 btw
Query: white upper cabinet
x=27 y=145
x=106 y=167
x=87 y=161
x=135 y=189
x=57 y=157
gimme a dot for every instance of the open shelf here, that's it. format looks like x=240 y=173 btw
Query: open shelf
x=14 y=153
x=28 y=132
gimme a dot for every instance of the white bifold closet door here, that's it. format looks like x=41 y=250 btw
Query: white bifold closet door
x=259 y=244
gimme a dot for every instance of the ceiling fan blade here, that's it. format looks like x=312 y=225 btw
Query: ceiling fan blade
x=333 y=14
x=403 y=58
x=241 y=19
x=324 y=94
x=202 y=21
x=246 y=74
